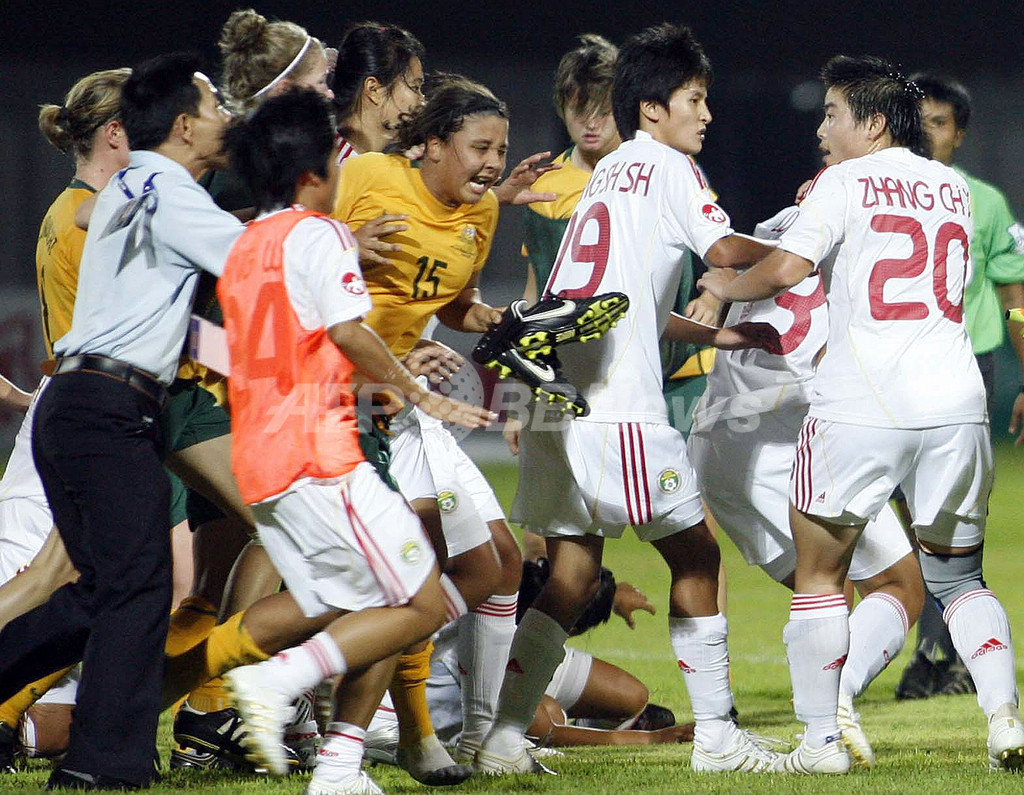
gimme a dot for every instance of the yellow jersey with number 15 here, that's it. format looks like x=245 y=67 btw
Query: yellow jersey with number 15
x=441 y=250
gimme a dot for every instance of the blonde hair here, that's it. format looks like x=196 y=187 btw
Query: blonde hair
x=258 y=52
x=92 y=102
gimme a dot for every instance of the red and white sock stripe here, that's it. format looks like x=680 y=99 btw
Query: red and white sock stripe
x=812 y=605
x=634 y=474
x=325 y=654
x=962 y=599
x=896 y=605
x=499 y=606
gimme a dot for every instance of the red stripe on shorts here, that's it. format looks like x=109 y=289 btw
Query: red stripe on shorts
x=625 y=475
x=381 y=569
x=643 y=468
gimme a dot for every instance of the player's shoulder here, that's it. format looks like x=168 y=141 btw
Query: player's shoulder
x=567 y=178
x=373 y=162
x=68 y=201
x=316 y=227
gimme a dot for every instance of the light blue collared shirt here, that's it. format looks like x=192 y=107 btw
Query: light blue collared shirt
x=153 y=229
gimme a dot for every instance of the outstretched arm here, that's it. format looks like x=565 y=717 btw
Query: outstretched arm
x=371 y=356
x=551 y=728
x=467 y=312
x=736 y=251
x=777 y=272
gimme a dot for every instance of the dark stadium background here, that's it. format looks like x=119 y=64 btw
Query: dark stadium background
x=764 y=98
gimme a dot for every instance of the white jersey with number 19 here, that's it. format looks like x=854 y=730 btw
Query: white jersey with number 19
x=644 y=206
x=898 y=354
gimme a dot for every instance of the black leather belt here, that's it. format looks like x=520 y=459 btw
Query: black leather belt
x=132 y=376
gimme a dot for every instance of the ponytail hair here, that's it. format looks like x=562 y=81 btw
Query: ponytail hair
x=92 y=102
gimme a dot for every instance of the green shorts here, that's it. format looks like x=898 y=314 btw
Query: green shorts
x=192 y=416
x=373 y=438
x=682 y=395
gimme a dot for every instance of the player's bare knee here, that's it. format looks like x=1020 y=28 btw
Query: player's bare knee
x=477 y=573
x=570 y=590
x=636 y=695
x=508 y=553
x=429 y=604
x=693 y=551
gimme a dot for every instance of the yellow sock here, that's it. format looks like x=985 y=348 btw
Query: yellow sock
x=409 y=694
x=210 y=697
x=18 y=704
x=227 y=646
x=194 y=619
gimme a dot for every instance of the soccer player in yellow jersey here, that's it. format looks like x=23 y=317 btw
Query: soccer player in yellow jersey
x=451 y=214
x=583 y=84
x=86 y=126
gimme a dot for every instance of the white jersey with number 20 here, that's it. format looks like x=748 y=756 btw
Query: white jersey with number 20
x=644 y=206
x=898 y=355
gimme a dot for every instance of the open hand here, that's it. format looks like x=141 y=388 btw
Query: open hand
x=371 y=247
x=515 y=189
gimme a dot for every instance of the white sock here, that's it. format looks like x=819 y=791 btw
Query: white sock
x=817 y=641
x=485 y=637
x=384 y=717
x=702 y=652
x=981 y=634
x=537 y=649
x=341 y=755
x=878 y=629
x=301 y=667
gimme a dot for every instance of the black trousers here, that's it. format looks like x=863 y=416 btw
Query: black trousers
x=97 y=446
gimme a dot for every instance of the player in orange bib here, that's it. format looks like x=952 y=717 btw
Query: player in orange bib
x=294 y=299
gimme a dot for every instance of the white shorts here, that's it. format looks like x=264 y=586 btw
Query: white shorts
x=464 y=497
x=846 y=473
x=744 y=477
x=594 y=478
x=25 y=517
x=570 y=678
x=345 y=544
x=426 y=461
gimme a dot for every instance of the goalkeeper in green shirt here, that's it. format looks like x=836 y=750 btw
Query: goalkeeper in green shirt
x=997 y=252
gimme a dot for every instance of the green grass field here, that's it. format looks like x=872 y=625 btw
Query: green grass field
x=931 y=746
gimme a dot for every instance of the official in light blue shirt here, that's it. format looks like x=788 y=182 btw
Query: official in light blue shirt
x=98 y=441
x=153 y=228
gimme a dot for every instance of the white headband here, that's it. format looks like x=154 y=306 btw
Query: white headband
x=295 y=62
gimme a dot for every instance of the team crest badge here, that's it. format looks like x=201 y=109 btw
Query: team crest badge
x=411 y=552
x=353 y=283
x=447 y=501
x=713 y=213
x=668 y=481
x=468 y=233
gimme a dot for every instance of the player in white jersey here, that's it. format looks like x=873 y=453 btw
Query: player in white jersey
x=624 y=464
x=742 y=446
x=898 y=398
